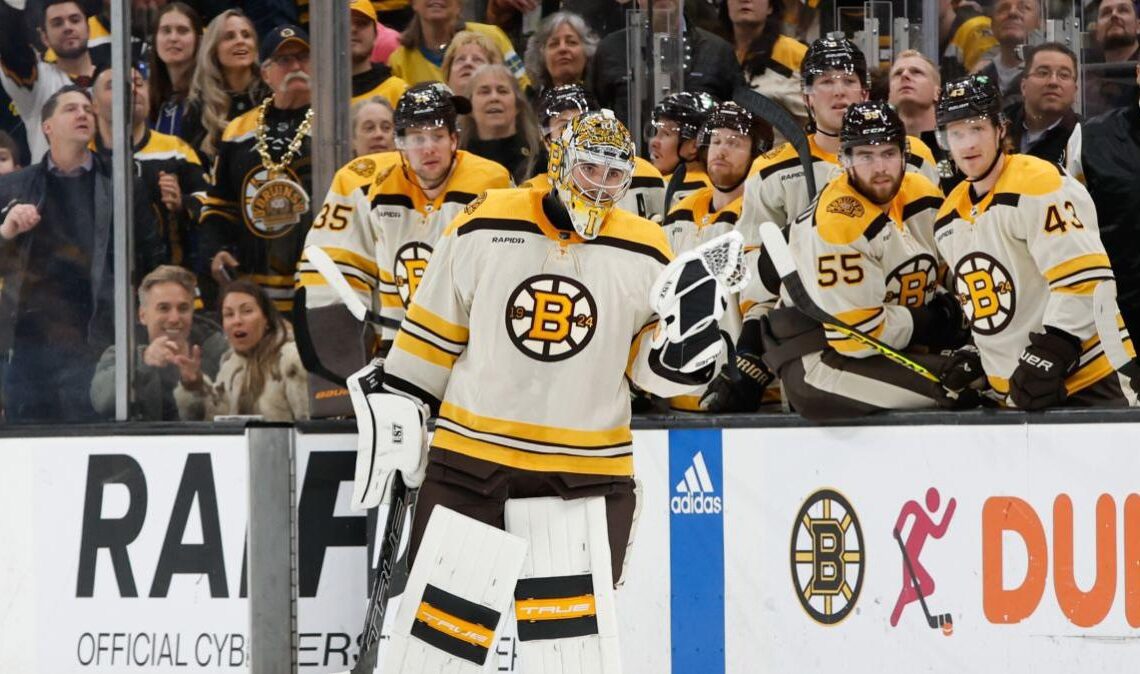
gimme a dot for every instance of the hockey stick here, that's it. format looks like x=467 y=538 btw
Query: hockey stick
x=1104 y=313
x=945 y=620
x=782 y=121
x=336 y=280
x=777 y=249
x=382 y=584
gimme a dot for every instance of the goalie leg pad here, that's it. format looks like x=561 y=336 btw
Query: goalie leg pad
x=564 y=600
x=458 y=590
x=390 y=436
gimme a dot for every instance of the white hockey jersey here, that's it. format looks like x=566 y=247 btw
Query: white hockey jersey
x=380 y=229
x=695 y=178
x=523 y=335
x=867 y=265
x=645 y=196
x=1026 y=255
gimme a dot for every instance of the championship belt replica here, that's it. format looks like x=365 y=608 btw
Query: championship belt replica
x=280 y=202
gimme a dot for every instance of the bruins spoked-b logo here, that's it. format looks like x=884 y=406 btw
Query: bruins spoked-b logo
x=986 y=292
x=828 y=557
x=273 y=205
x=551 y=317
x=411 y=263
x=912 y=281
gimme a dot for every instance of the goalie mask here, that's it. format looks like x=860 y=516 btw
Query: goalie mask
x=591 y=166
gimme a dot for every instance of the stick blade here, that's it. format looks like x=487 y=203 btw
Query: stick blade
x=1104 y=313
x=333 y=276
x=772 y=237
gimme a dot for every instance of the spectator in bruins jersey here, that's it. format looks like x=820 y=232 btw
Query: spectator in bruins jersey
x=1042 y=123
x=423 y=43
x=728 y=140
x=30 y=80
x=467 y=52
x=368 y=78
x=867 y=254
x=1013 y=22
x=560 y=51
x=177 y=35
x=1021 y=241
x=834 y=74
x=771 y=61
x=382 y=218
x=646 y=193
x=169 y=168
x=257 y=210
x=964 y=38
x=372 y=127
x=260 y=374
x=226 y=83
x=673 y=128
x=503 y=128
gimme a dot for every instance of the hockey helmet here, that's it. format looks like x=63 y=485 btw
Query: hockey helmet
x=872 y=123
x=729 y=115
x=832 y=52
x=688 y=109
x=561 y=98
x=428 y=105
x=969 y=97
x=601 y=144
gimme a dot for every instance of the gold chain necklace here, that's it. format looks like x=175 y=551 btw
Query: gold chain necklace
x=262 y=146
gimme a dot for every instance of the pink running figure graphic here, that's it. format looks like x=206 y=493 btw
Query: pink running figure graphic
x=917 y=583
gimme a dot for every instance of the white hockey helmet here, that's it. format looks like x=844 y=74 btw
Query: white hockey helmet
x=591 y=167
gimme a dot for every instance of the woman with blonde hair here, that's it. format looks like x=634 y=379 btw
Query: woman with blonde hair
x=226 y=83
x=503 y=128
x=261 y=374
x=467 y=52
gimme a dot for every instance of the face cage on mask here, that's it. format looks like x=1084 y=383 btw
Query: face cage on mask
x=596 y=195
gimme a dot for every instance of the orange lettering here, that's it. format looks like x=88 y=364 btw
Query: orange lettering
x=1001 y=514
x=1084 y=609
x=1132 y=560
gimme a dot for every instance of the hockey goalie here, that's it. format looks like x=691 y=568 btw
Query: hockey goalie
x=538 y=308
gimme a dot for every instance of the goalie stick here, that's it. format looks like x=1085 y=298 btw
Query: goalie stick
x=777 y=249
x=1104 y=313
x=336 y=280
x=945 y=620
x=782 y=121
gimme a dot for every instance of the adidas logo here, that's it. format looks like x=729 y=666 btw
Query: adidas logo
x=695 y=492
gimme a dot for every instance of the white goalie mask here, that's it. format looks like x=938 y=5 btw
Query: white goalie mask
x=591 y=167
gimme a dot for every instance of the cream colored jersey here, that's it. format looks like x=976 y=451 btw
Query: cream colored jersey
x=695 y=178
x=775 y=190
x=380 y=229
x=692 y=223
x=867 y=265
x=525 y=336
x=1026 y=255
x=646 y=194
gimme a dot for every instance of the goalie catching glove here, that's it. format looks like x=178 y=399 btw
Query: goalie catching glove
x=391 y=436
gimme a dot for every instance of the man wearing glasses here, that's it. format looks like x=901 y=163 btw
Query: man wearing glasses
x=1042 y=124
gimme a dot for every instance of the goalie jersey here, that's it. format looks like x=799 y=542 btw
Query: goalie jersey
x=646 y=194
x=775 y=190
x=1026 y=255
x=522 y=335
x=381 y=230
x=865 y=265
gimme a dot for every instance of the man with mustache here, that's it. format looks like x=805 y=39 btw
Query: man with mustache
x=1115 y=35
x=258 y=211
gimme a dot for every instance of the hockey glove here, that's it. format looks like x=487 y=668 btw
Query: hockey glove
x=1039 y=379
x=391 y=436
x=963 y=370
x=940 y=323
x=739 y=388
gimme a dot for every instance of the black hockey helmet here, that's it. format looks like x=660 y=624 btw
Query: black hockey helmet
x=730 y=115
x=872 y=123
x=688 y=109
x=564 y=97
x=969 y=97
x=429 y=104
x=833 y=52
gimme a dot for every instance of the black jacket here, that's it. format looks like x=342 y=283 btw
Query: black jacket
x=1051 y=145
x=711 y=68
x=1111 y=159
x=29 y=186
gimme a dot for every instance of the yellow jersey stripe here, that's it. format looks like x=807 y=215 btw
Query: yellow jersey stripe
x=535 y=433
x=272 y=280
x=635 y=346
x=310 y=279
x=352 y=259
x=446 y=329
x=523 y=460
x=424 y=350
x=1077 y=264
x=391 y=301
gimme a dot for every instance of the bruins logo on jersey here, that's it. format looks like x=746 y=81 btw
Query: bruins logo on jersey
x=912 y=282
x=985 y=290
x=363 y=167
x=845 y=205
x=550 y=317
x=411 y=263
x=827 y=557
x=271 y=208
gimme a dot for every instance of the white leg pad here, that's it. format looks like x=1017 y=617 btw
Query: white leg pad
x=564 y=602
x=458 y=592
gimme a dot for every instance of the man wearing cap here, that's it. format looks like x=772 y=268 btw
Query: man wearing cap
x=369 y=79
x=258 y=211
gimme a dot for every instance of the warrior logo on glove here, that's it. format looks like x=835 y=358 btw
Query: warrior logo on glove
x=986 y=292
x=551 y=317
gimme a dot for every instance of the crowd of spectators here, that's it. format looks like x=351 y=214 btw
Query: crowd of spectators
x=222 y=127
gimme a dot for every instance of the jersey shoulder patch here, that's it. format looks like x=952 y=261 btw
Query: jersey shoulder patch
x=777 y=156
x=475 y=203
x=842 y=216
